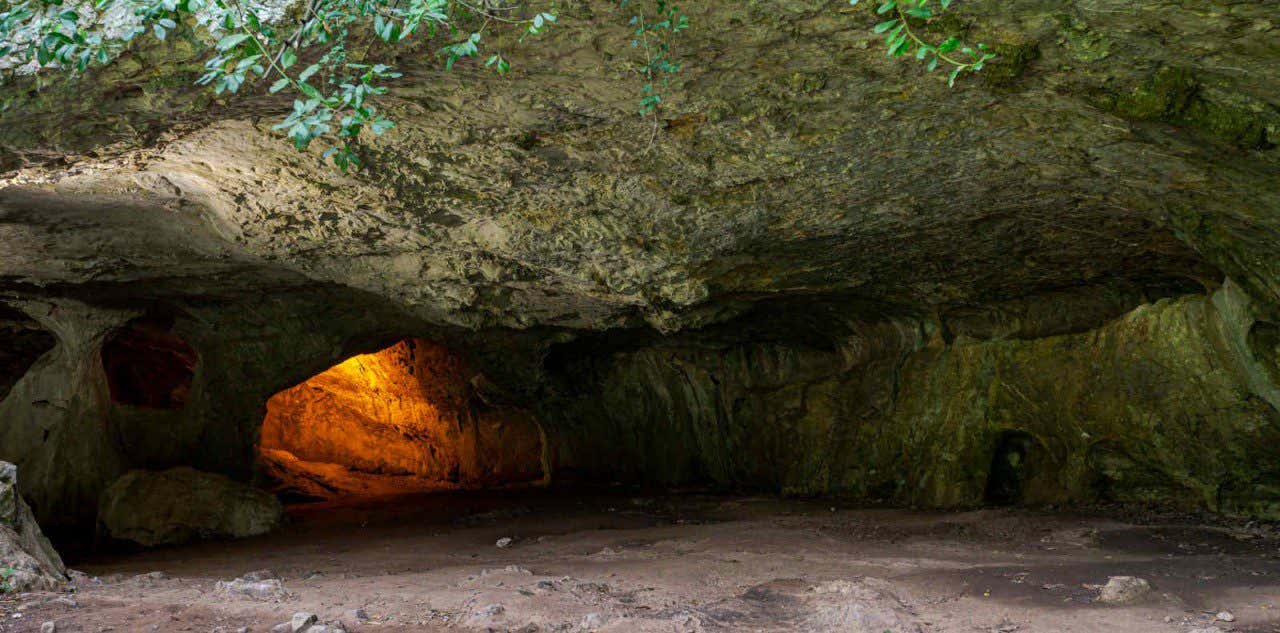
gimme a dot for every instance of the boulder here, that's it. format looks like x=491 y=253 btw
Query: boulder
x=1124 y=589
x=184 y=504
x=27 y=560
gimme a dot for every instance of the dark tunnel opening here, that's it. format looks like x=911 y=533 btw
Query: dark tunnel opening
x=22 y=343
x=1010 y=468
x=148 y=366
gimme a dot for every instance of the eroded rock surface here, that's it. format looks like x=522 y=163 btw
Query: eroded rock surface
x=821 y=272
x=27 y=559
x=399 y=420
x=184 y=504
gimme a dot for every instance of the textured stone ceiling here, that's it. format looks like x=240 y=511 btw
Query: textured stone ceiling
x=795 y=161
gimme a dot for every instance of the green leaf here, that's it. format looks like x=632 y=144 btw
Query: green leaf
x=288 y=59
x=888 y=6
x=279 y=85
x=309 y=90
x=885 y=26
x=951 y=81
x=308 y=72
x=231 y=41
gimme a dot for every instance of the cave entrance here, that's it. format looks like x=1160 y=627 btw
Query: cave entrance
x=405 y=419
x=1007 y=478
x=22 y=343
x=147 y=365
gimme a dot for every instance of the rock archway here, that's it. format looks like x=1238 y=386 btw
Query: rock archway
x=399 y=420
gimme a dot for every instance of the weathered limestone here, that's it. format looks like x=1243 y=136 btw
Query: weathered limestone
x=1166 y=404
x=401 y=419
x=184 y=504
x=27 y=561
x=53 y=418
x=824 y=273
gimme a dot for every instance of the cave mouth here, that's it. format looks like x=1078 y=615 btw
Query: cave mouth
x=147 y=365
x=405 y=419
x=1007 y=478
x=22 y=343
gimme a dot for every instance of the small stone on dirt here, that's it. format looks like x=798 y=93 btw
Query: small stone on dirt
x=261 y=574
x=257 y=590
x=492 y=610
x=48 y=627
x=592 y=621
x=1226 y=616
x=1124 y=589
x=301 y=621
x=504 y=542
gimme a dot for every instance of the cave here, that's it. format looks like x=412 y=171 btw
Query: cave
x=1009 y=468
x=22 y=342
x=147 y=365
x=400 y=420
x=571 y=316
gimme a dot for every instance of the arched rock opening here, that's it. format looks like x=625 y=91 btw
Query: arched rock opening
x=147 y=365
x=22 y=342
x=1010 y=468
x=403 y=419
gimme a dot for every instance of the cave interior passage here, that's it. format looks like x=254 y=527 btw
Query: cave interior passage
x=401 y=420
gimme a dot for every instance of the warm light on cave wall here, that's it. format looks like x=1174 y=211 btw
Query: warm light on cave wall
x=402 y=419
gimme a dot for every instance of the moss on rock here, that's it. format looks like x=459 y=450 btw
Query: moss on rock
x=1156 y=406
x=1011 y=63
x=1175 y=96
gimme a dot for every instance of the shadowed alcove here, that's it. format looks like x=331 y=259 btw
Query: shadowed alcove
x=147 y=365
x=404 y=419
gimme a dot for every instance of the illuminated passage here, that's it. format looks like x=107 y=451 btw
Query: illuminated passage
x=400 y=420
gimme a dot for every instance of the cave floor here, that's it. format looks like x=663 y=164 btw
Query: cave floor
x=683 y=563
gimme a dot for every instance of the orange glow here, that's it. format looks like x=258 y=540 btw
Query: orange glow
x=402 y=419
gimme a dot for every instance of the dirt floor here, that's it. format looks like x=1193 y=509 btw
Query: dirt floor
x=680 y=563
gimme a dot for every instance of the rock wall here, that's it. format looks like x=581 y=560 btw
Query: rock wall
x=53 y=418
x=28 y=559
x=71 y=436
x=1165 y=404
x=1168 y=403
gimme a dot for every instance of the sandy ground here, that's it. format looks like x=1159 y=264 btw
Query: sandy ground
x=681 y=563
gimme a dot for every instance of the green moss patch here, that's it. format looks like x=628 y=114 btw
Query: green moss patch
x=1174 y=96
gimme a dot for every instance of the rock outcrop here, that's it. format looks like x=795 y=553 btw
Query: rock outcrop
x=27 y=561
x=184 y=504
x=1166 y=403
